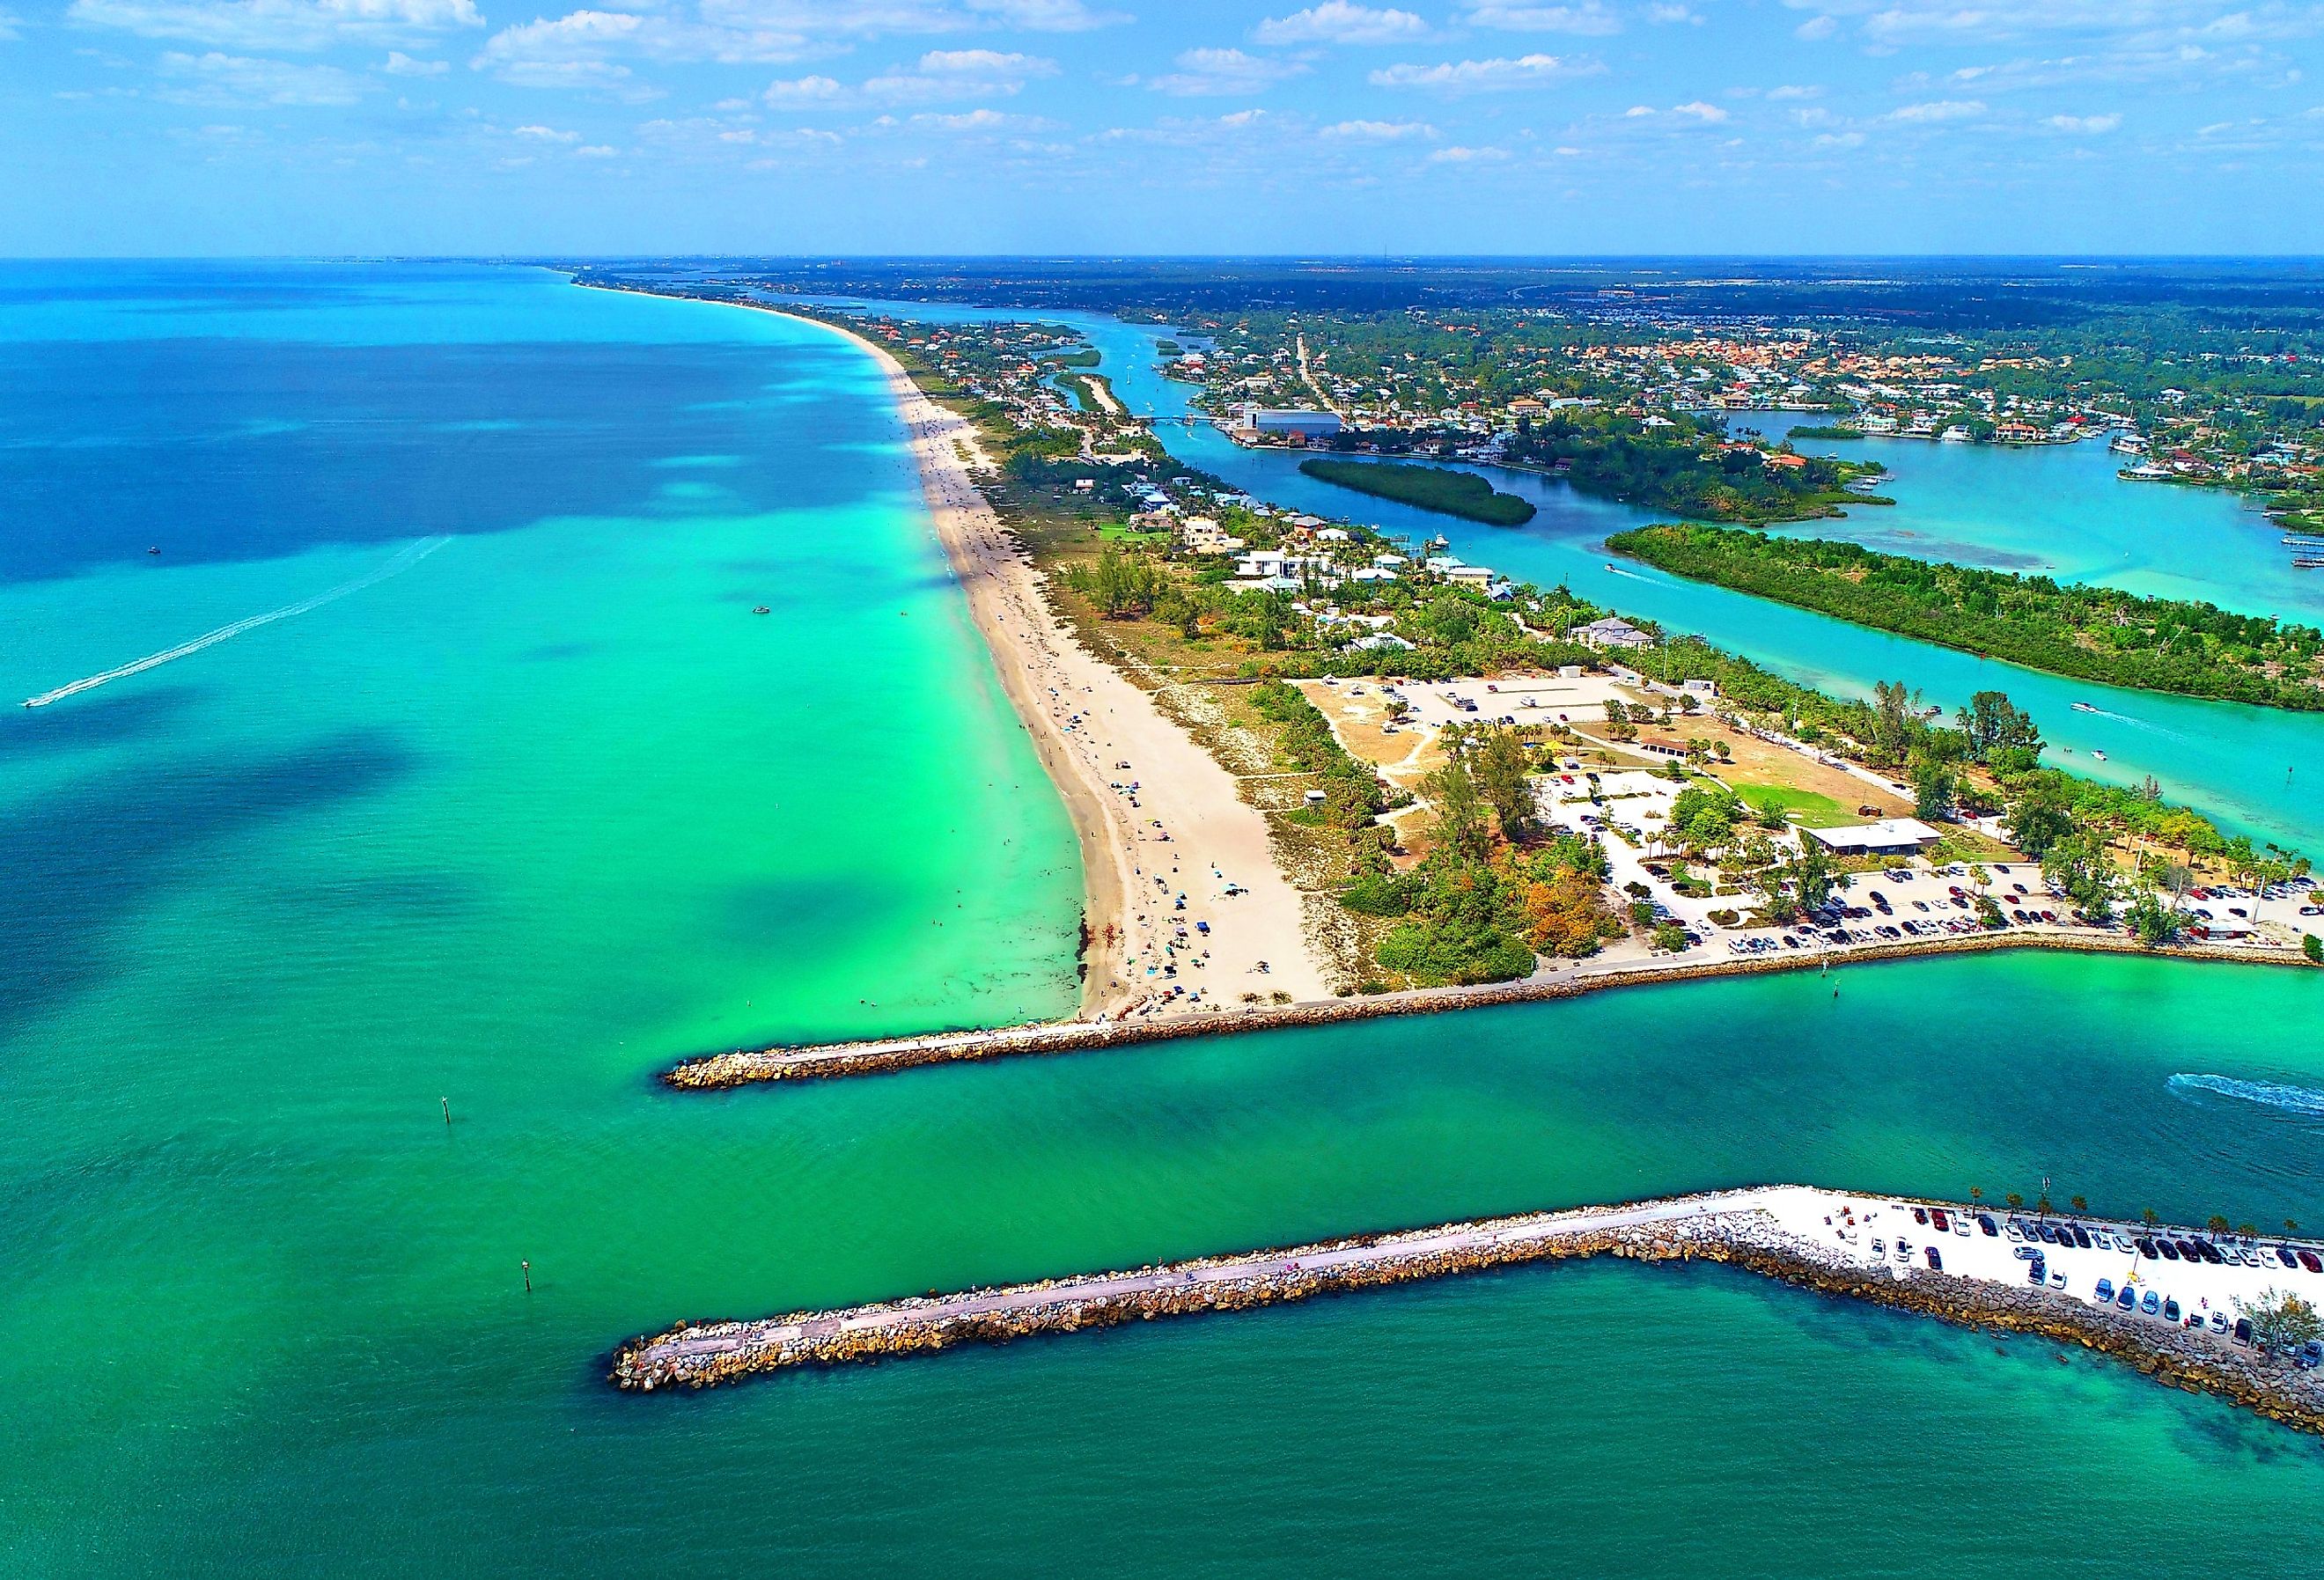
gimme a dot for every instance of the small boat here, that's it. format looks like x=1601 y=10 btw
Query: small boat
x=2098 y=754
x=2084 y=708
x=762 y=609
x=153 y=550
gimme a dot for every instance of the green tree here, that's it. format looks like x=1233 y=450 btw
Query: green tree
x=2312 y=947
x=1934 y=787
x=2281 y=1321
x=1502 y=773
x=2079 y=866
x=1896 y=724
x=1459 y=824
x=2151 y=922
x=1812 y=876
x=2039 y=816
x=1992 y=725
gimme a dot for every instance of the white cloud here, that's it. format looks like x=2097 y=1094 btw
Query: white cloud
x=8 y=26
x=583 y=48
x=1458 y=155
x=936 y=77
x=398 y=64
x=2083 y=126
x=546 y=134
x=804 y=91
x=1337 y=22
x=1791 y=90
x=983 y=121
x=1046 y=15
x=1486 y=75
x=834 y=19
x=1220 y=72
x=1378 y=131
x=2124 y=23
x=1667 y=15
x=1590 y=19
x=1936 y=111
x=277 y=24
x=216 y=78
x=1840 y=140
x=1709 y=114
x=1816 y=27
x=955 y=74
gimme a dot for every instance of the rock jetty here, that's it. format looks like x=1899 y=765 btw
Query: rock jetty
x=1770 y=1230
x=829 y=1061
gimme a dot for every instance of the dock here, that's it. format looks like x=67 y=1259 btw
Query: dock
x=1840 y=1243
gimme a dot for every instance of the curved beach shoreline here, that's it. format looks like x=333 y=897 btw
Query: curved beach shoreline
x=1187 y=830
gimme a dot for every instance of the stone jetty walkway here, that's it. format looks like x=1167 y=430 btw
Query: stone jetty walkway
x=718 y=1352
x=1564 y=980
x=1959 y=1263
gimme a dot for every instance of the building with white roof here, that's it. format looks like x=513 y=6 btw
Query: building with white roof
x=1888 y=837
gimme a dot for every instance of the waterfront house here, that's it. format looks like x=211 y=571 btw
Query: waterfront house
x=1613 y=631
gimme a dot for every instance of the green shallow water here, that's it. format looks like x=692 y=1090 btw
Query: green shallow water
x=522 y=823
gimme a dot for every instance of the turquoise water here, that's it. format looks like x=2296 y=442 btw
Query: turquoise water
x=2061 y=510
x=519 y=824
x=2255 y=771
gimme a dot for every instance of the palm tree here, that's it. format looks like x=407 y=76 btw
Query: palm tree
x=1974 y=1194
x=2216 y=1223
x=2291 y=1225
x=2080 y=1205
x=2015 y=1200
x=2147 y=1216
x=2248 y=1230
x=2043 y=1207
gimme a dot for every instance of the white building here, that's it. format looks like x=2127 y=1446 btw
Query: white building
x=1889 y=837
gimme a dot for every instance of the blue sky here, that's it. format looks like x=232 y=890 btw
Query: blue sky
x=166 y=126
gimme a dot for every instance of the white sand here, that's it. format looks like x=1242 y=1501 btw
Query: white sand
x=1187 y=830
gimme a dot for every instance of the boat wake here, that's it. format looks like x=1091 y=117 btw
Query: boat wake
x=2135 y=724
x=2298 y=1100
x=410 y=555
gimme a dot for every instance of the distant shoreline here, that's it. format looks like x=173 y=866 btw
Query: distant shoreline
x=1086 y=720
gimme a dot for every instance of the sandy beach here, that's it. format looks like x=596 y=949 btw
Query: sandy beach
x=1159 y=820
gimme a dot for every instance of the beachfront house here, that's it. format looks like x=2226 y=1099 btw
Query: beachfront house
x=1890 y=837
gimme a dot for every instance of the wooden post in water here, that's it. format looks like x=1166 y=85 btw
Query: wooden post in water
x=526 y=1266
x=447 y=1102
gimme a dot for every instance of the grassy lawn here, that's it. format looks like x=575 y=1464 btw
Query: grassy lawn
x=1121 y=532
x=1809 y=808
